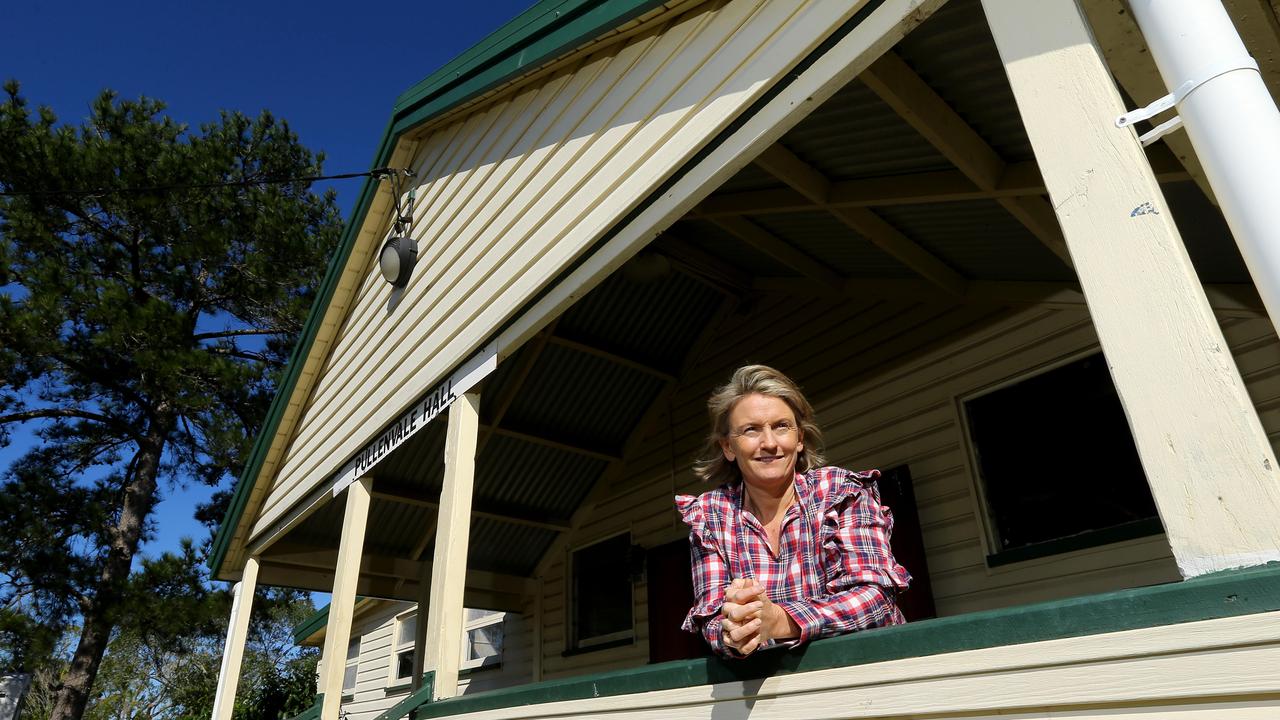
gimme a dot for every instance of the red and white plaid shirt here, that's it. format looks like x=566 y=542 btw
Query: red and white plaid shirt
x=834 y=571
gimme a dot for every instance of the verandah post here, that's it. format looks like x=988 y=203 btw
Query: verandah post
x=224 y=700
x=449 y=565
x=337 y=634
x=1207 y=459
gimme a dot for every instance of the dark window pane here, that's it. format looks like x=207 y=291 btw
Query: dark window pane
x=404 y=664
x=1056 y=457
x=602 y=588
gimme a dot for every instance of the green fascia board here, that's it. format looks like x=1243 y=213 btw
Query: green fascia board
x=542 y=33
x=313 y=712
x=418 y=698
x=308 y=627
x=1226 y=594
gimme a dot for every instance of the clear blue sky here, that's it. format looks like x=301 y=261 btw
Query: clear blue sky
x=332 y=70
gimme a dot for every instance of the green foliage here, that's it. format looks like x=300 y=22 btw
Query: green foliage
x=150 y=290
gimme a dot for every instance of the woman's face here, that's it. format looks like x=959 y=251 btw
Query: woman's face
x=764 y=440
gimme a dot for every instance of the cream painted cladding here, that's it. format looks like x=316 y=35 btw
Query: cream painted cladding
x=375 y=691
x=510 y=194
x=886 y=378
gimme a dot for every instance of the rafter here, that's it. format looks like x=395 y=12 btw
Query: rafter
x=778 y=249
x=409 y=496
x=521 y=373
x=894 y=82
x=702 y=266
x=814 y=186
x=612 y=357
x=552 y=443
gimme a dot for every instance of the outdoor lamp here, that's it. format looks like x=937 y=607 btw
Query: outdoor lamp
x=397 y=258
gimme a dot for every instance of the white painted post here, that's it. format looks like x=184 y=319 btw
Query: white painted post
x=1231 y=120
x=449 y=567
x=1211 y=469
x=337 y=634
x=224 y=700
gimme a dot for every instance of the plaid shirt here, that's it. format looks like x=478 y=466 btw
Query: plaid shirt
x=834 y=571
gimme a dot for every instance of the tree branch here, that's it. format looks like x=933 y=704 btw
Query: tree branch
x=242 y=354
x=232 y=333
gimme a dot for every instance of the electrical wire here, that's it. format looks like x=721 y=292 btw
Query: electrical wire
x=376 y=172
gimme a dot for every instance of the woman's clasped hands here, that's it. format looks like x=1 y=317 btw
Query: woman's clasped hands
x=749 y=619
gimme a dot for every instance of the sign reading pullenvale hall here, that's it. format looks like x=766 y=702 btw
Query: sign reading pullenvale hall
x=428 y=408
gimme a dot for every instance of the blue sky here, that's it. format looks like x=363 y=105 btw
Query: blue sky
x=332 y=70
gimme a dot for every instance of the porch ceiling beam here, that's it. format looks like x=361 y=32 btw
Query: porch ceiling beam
x=1020 y=179
x=315 y=556
x=778 y=249
x=894 y=82
x=612 y=357
x=408 y=496
x=552 y=443
x=521 y=373
x=1227 y=299
x=810 y=182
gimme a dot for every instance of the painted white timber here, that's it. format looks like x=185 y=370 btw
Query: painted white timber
x=449 y=568
x=1211 y=469
x=514 y=192
x=224 y=700
x=343 y=600
x=420 y=628
x=1153 y=672
x=1231 y=119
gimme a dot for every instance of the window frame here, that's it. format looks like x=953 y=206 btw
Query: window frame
x=398 y=648
x=493 y=617
x=575 y=644
x=352 y=663
x=999 y=559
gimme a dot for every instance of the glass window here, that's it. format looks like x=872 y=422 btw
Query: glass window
x=353 y=665
x=482 y=639
x=1056 y=461
x=602 y=593
x=402 y=659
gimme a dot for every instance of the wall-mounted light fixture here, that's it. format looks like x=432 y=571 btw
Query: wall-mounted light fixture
x=400 y=252
x=397 y=258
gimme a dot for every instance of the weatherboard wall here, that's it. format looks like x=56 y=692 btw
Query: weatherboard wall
x=885 y=377
x=511 y=193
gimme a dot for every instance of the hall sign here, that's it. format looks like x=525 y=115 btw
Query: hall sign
x=428 y=408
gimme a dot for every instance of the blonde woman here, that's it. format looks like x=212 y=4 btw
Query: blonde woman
x=784 y=551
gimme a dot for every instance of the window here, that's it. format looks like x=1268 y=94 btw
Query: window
x=1056 y=463
x=405 y=630
x=482 y=633
x=601 y=593
x=353 y=666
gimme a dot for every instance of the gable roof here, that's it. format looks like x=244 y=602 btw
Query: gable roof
x=537 y=36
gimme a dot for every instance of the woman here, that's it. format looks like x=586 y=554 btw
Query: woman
x=784 y=551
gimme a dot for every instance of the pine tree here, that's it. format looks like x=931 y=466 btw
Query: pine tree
x=143 y=322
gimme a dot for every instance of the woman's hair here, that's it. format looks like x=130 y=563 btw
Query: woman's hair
x=713 y=467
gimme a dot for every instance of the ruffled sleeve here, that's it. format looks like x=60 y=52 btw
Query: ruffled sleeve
x=855 y=532
x=710 y=567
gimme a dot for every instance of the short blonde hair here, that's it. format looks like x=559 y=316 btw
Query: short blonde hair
x=714 y=467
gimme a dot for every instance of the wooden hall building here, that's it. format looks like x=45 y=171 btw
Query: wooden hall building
x=939 y=219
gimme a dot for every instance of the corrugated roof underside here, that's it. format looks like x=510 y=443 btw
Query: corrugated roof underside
x=585 y=399
x=856 y=135
x=833 y=244
x=505 y=548
x=533 y=481
x=1209 y=242
x=954 y=53
x=652 y=322
x=979 y=239
x=733 y=252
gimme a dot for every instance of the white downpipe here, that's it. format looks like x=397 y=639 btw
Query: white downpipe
x=1231 y=120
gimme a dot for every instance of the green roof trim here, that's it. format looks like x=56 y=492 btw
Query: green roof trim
x=1221 y=595
x=311 y=625
x=417 y=699
x=538 y=35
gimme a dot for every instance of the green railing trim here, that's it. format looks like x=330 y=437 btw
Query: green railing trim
x=1227 y=594
x=419 y=699
x=539 y=34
